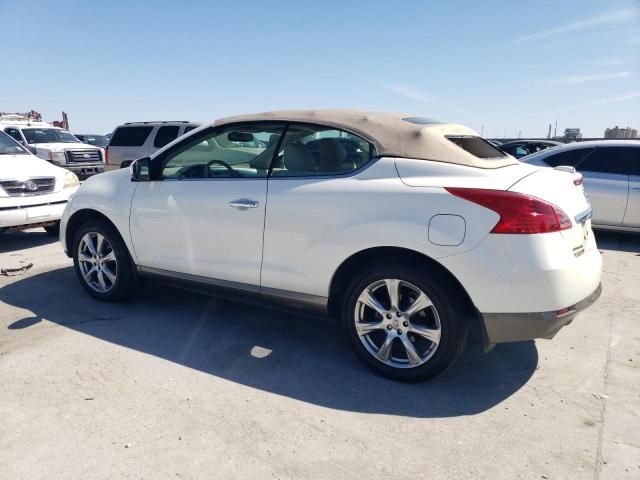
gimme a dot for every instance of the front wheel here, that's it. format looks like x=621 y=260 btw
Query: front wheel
x=403 y=322
x=101 y=261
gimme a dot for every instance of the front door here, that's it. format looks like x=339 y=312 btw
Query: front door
x=203 y=212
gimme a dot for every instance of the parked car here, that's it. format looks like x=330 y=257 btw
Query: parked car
x=611 y=170
x=56 y=145
x=33 y=193
x=134 y=140
x=420 y=232
x=522 y=148
x=91 y=139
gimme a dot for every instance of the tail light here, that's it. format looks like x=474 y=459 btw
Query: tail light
x=578 y=181
x=519 y=213
x=106 y=154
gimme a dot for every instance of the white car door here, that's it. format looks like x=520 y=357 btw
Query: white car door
x=202 y=213
x=632 y=215
x=606 y=184
x=311 y=194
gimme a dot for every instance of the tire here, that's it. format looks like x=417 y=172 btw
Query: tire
x=113 y=262
x=437 y=330
x=53 y=230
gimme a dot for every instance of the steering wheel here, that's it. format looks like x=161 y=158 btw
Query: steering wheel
x=231 y=171
x=203 y=170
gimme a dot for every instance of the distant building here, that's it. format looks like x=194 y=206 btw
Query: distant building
x=572 y=134
x=617 y=132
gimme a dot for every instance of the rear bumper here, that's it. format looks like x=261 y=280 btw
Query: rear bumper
x=514 y=327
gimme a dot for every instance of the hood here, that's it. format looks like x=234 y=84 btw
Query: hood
x=22 y=166
x=60 y=147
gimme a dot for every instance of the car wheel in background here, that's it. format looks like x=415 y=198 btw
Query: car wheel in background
x=53 y=230
x=403 y=322
x=101 y=261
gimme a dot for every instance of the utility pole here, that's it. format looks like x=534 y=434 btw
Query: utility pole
x=555 y=132
x=549 y=132
x=482 y=130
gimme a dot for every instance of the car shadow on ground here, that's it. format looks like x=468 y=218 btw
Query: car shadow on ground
x=15 y=241
x=303 y=358
x=623 y=242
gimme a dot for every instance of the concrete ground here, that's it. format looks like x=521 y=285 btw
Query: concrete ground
x=177 y=385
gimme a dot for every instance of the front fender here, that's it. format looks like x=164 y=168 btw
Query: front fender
x=107 y=195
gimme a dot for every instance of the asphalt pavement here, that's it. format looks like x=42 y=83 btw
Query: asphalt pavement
x=182 y=386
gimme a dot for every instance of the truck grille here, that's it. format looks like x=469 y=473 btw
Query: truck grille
x=83 y=156
x=28 y=187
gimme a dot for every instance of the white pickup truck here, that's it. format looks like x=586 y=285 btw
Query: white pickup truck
x=54 y=145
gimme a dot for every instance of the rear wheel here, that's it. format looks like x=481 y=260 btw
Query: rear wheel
x=404 y=323
x=102 y=262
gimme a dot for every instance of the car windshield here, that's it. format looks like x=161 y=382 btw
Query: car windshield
x=8 y=146
x=97 y=140
x=48 y=135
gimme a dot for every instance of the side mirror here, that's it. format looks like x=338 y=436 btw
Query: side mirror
x=141 y=170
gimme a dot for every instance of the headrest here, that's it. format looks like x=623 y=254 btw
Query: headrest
x=332 y=155
x=298 y=158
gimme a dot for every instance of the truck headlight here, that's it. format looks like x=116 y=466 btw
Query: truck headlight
x=56 y=157
x=70 y=180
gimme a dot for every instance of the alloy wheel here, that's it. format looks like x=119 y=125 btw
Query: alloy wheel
x=397 y=323
x=97 y=262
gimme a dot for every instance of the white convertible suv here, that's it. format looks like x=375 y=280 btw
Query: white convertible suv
x=408 y=230
x=33 y=193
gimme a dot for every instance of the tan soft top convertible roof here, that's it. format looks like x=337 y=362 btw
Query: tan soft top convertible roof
x=393 y=134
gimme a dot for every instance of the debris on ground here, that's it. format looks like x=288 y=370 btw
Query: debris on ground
x=10 y=272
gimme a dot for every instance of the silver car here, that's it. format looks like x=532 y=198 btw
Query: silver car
x=611 y=170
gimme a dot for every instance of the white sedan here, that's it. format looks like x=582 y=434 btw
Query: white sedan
x=409 y=231
x=611 y=170
x=33 y=193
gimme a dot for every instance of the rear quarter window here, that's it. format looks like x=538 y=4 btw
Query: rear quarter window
x=130 y=136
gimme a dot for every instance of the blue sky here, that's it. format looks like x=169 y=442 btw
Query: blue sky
x=499 y=64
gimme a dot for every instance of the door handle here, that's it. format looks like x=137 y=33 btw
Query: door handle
x=244 y=204
x=636 y=188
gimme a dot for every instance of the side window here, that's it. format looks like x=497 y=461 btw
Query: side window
x=189 y=128
x=569 y=157
x=165 y=135
x=309 y=150
x=237 y=151
x=634 y=168
x=520 y=151
x=606 y=160
x=130 y=136
x=13 y=132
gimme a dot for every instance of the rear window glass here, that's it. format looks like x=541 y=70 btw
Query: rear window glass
x=165 y=135
x=188 y=129
x=130 y=136
x=570 y=157
x=477 y=146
